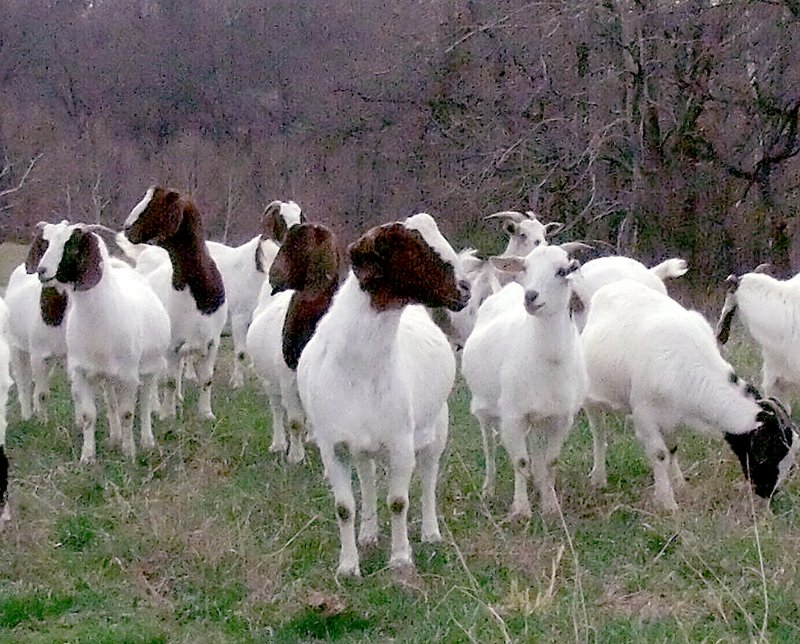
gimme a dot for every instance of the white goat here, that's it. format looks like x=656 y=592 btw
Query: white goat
x=524 y=367
x=117 y=334
x=191 y=288
x=308 y=265
x=596 y=273
x=769 y=309
x=648 y=356
x=244 y=269
x=376 y=375
x=5 y=385
x=525 y=231
x=36 y=330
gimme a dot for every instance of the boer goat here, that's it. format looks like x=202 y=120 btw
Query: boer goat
x=117 y=334
x=376 y=376
x=244 y=269
x=36 y=330
x=307 y=264
x=190 y=287
x=648 y=356
x=524 y=367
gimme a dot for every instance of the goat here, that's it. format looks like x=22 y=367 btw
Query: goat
x=5 y=385
x=36 y=330
x=244 y=268
x=524 y=367
x=648 y=356
x=598 y=272
x=117 y=332
x=308 y=264
x=525 y=231
x=376 y=375
x=190 y=287
x=769 y=310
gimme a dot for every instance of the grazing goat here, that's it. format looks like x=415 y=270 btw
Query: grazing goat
x=5 y=385
x=308 y=264
x=376 y=376
x=244 y=268
x=648 y=356
x=117 y=334
x=596 y=273
x=36 y=330
x=769 y=309
x=190 y=287
x=524 y=367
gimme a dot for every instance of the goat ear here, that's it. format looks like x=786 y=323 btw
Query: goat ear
x=364 y=258
x=173 y=214
x=36 y=251
x=510 y=227
x=273 y=224
x=508 y=264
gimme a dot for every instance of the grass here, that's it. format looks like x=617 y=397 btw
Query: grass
x=213 y=539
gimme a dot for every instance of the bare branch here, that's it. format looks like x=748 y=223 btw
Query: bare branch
x=23 y=179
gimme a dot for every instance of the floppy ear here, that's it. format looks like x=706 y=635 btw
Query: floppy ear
x=508 y=264
x=37 y=250
x=272 y=223
x=365 y=259
x=285 y=273
x=174 y=208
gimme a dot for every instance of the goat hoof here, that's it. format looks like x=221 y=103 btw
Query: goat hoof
x=402 y=564
x=277 y=449
x=295 y=457
x=520 y=513
x=368 y=538
x=598 y=482
x=431 y=537
x=351 y=570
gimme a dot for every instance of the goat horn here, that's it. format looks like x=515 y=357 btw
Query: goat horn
x=94 y=227
x=574 y=246
x=765 y=268
x=513 y=215
x=553 y=227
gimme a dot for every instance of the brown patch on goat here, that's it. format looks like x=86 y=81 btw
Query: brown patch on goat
x=396 y=267
x=81 y=261
x=175 y=224
x=308 y=262
x=37 y=250
x=273 y=224
x=53 y=306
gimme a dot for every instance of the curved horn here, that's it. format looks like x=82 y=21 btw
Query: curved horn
x=553 y=227
x=731 y=282
x=575 y=246
x=765 y=268
x=513 y=215
x=94 y=227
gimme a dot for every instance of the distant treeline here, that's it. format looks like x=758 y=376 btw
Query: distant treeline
x=662 y=128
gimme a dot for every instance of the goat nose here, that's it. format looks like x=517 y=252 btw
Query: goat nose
x=530 y=296
x=41 y=271
x=464 y=286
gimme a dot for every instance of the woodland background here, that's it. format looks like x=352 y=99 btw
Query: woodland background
x=662 y=127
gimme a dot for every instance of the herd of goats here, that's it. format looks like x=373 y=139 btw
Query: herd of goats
x=358 y=353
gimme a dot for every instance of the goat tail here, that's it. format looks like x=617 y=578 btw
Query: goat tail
x=674 y=267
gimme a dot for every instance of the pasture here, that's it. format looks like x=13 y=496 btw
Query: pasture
x=212 y=538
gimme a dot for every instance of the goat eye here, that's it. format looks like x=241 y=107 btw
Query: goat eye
x=561 y=272
x=537 y=242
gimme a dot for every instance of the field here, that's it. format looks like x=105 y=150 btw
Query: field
x=213 y=539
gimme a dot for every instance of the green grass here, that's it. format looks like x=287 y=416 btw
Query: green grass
x=213 y=539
